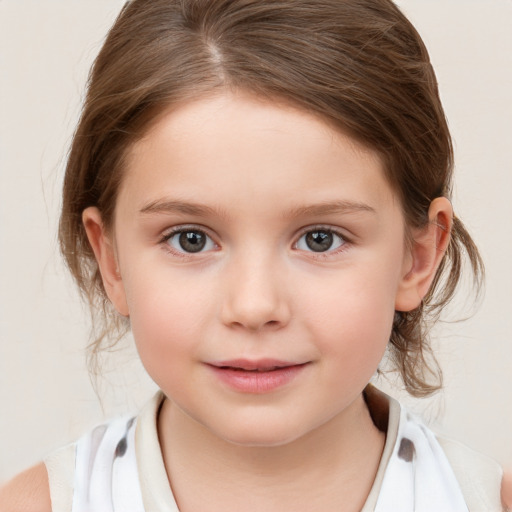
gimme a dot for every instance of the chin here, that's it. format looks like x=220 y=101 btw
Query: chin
x=260 y=441
x=259 y=434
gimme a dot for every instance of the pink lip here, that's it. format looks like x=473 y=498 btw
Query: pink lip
x=258 y=376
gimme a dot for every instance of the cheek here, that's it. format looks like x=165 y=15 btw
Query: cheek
x=167 y=317
x=351 y=318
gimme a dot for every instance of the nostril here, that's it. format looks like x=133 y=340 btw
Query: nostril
x=255 y=312
x=256 y=327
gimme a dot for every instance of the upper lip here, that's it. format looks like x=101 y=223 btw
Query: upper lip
x=254 y=364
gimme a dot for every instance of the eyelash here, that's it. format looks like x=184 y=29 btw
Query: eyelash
x=344 y=241
x=180 y=230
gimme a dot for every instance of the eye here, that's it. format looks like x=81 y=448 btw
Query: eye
x=320 y=240
x=189 y=241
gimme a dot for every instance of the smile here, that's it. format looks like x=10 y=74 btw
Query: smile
x=256 y=377
x=273 y=368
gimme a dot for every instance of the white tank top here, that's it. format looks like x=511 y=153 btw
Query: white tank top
x=106 y=476
x=415 y=473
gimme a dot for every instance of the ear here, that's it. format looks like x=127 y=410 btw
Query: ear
x=429 y=245
x=104 y=251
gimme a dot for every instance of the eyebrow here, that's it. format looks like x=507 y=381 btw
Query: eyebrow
x=171 y=206
x=189 y=208
x=331 y=207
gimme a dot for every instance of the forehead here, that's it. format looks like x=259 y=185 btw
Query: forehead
x=226 y=143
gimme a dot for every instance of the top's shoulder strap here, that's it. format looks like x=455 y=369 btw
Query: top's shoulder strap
x=106 y=475
x=419 y=476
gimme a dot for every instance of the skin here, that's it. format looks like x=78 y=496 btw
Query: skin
x=506 y=488
x=256 y=178
x=27 y=492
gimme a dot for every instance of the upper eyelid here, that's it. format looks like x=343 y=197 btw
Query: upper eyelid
x=322 y=227
x=306 y=229
x=171 y=231
x=347 y=242
x=167 y=233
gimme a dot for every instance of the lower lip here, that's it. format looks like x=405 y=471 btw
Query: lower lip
x=257 y=382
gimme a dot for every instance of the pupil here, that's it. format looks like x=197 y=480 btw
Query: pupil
x=192 y=241
x=319 y=241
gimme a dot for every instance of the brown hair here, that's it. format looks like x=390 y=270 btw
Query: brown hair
x=359 y=64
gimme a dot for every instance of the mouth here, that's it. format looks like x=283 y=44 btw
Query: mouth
x=257 y=376
x=257 y=370
x=262 y=365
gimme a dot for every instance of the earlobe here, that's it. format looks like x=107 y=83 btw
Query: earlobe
x=428 y=247
x=103 y=248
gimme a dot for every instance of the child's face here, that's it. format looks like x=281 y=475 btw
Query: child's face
x=251 y=235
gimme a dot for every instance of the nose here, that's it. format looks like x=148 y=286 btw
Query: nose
x=255 y=295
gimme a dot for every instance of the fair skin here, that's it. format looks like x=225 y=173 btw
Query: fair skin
x=250 y=235
x=506 y=488
x=27 y=492
x=254 y=179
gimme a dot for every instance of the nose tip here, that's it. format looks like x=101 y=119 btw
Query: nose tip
x=255 y=312
x=256 y=320
x=255 y=303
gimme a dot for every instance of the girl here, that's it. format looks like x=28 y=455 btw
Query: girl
x=260 y=191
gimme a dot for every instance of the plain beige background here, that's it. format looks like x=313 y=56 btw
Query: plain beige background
x=46 y=397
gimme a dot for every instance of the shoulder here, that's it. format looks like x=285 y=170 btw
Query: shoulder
x=27 y=492
x=479 y=476
x=506 y=489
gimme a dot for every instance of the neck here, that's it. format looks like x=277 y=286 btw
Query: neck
x=330 y=468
